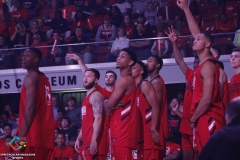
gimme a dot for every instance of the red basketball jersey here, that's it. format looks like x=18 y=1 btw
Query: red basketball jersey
x=146 y=115
x=164 y=131
x=123 y=122
x=216 y=109
x=185 y=123
x=41 y=132
x=234 y=87
x=87 y=127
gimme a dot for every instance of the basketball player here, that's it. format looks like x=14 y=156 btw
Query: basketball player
x=146 y=101
x=207 y=107
x=92 y=118
x=123 y=119
x=187 y=134
x=154 y=65
x=36 y=107
x=235 y=80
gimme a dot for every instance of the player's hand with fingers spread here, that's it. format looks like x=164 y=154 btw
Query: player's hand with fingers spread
x=171 y=34
x=93 y=147
x=73 y=56
x=155 y=136
x=183 y=4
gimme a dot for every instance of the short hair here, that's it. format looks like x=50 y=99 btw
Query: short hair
x=56 y=31
x=8 y=136
x=150 y=3
x=144 y=67
x=7 y=124
x=79 y=28
x=132 y=54
x=72 y=99
x=159 y=60
x=233 y=109
x=37 y=52
x=61 y=110
x=67 y=118
x=208 y=36
x=110 y=71
x=60 y=133
x=237 y=49
x=35 y=21
x=96 y=72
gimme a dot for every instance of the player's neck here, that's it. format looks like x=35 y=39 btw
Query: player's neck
x=125 y=71
x=32 y=69
x=153 y=74
x=237 y=70
x=203 y=56
x=90 y=90
x=109 y=88
x=138 y=79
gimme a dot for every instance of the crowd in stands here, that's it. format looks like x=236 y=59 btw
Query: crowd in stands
x=106 y=25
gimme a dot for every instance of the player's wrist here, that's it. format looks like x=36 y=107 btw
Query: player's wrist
x=193 y=121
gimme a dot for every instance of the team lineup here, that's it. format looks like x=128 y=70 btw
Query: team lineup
x=128 y=118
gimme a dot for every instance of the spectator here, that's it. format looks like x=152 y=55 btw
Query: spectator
x=36 y=30
x=37 y=43
x=161 y=47
x=69 y=130
x=106 y=32
x=236 y=41
x=50 y=12
x=162 y=23
x=84 y=51
x=118 y=44
x=73 y=112
x=225 y=143
x=14 y=131
x=151 y=14
x=5 y=119
x=68 y=11
x=62 y=151
x=100 y=6
x=6 y=56
x=3 y=25
x=177 y=23
x=141 y=47
x=61 y=113
x=79 y=21
x=59 y=24
x=124 y=6
x=12 y=116
x=182 y=44
x=128 y=25
x=33 y=7
x=20 y=37
x=174 y=121
x=146 y=25
x=55 y=106
x=7 y=130
x=59 y=52
x=116 y=16
x=224 y=25
x=21 y=14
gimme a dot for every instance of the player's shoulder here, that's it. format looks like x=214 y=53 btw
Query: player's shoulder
x=96 y=94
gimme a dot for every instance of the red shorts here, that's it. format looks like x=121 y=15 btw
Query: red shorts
x=187 y=142
x=137 y=154
x=87 y=156
x=121 y=153
x=40 y=153
x=152 y=154
x=205 y=127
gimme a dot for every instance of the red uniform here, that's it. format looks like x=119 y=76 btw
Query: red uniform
x=234 y=87
x=164 y=130
x=171 y=147
x=67 y=152
x=185 y=123
x=40 y=136
x=213 y=119
x=151 y=150
x=123 y=127
x=106 y=33
x=87 y=131
x=19 y=14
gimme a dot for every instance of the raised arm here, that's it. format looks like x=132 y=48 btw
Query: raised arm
x=207 y=73
x=151 y=97
x=75 y=57
x=193 y=26
x=177 y=54
x=31 y=84
x=96 y=100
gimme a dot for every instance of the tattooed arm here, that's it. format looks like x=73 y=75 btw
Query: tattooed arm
x=96 y=100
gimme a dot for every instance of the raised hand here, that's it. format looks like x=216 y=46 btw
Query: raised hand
x=174 y=105
x=171 y=34
x=73 y=56
x=183 y=4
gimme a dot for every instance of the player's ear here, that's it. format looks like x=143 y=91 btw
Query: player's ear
x=96 y=81
x=36 y=59
x=130 y=63
x=158 y=65
x=208 y=45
